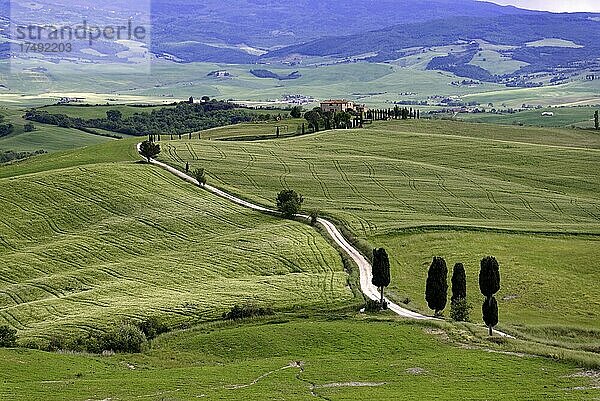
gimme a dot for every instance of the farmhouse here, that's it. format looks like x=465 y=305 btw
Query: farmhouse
x=337 y=106
x=547 y=114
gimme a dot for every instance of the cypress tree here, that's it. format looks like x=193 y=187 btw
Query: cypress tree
x=597 y=120
x=381 y=271
x=436 y=289
x=459 y=282
x=489 y=284
x=490 y=313
x=459 y=307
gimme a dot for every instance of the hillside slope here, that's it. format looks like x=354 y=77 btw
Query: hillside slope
x=85 y=246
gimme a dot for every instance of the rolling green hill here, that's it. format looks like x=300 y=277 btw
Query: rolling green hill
x=564 y=117
x=353 y=359
x=87 y=242
x=425 y=188
x=45 y=137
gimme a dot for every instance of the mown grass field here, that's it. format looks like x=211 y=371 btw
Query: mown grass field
x=45 y=137
x=564 y=117
x=86 y=242
x=397 y=175
x=353 y=359
x=463 y=191
x=255 y=130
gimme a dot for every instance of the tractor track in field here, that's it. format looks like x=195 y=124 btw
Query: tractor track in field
x=368 y=289
x=364 y=266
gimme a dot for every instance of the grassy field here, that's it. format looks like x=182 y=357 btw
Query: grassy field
x=469 y=189
x=397 y=175
x=353 y=359
x=45 y=137
x=87 y=241
x=255 y=130
x=564 y=117
x=374 y=84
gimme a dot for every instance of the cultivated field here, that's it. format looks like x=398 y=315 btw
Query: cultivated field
x=353 y=359
x=528 y=196
x=259 y=130
x=85 y=245
x=374 y=84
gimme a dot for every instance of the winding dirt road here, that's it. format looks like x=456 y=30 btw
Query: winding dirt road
x=363 y=264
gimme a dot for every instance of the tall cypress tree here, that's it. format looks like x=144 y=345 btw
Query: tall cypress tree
x=597 y=119
x=381 y=271
x=459 y=307
x=489 y=284
x=436 y=289
x=459 y=282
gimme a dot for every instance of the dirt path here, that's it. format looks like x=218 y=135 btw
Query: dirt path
x=363 y=264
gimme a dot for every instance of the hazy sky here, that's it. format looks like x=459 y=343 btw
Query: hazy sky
x=553 y=5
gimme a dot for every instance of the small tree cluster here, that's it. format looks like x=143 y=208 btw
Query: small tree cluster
x=246 y=311
x=128 y=337
x=318 y=119
x=149 y=150
x=8 y=337
x=489 y=283
x=289 y=202
x=296 y=112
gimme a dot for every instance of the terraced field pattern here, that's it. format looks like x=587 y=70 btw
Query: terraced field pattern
x=423 y=188
x=84 y=245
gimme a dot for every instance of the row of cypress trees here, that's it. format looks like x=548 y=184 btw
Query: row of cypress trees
x=436 y=289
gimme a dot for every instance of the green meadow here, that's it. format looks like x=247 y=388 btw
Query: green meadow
x=298 y=359
x=45 y=137
x=564 y=117
x=462 y=191
x=89 y=242
x=91 y=237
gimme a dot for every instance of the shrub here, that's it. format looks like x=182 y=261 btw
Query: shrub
x=200 y=176
x=459 y=310
x=153 y=327
x=246 y=311
x=314 y=215
x=375 y=306
x=125 y=338
x=8 y=336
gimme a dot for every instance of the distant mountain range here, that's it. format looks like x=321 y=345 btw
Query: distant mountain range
x=470 y=38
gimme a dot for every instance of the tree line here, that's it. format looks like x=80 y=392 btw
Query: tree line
x=183 y=118
x=436 y=290
x=318 y=119
x=5 y=128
